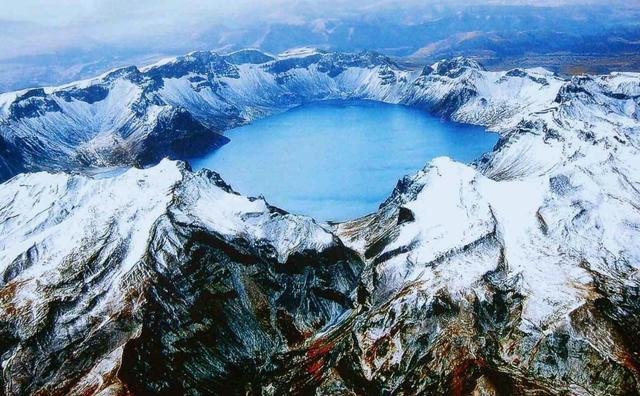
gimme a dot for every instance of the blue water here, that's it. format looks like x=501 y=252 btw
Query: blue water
x=338 y=160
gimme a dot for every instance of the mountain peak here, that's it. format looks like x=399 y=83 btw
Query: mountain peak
x=453 y=67
x=250 y=56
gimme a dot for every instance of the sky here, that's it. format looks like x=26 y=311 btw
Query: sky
x=32 y=27
x=117 y=12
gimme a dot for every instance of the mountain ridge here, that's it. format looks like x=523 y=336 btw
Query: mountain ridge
x=137 y=116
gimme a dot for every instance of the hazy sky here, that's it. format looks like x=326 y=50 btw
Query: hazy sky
x=65 y=12
x=32 y=27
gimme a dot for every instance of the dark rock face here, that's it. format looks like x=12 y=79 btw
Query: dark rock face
x=91 y=94
x=284 y=65
x=248 y=56
x=225 y=313
x=32 y=103
x=11 y=162
x=574 y=88
x=130 y=73
x=516 y=73
x=178 y=135
x=335 y=63
x=454 y=100
x=447 y=105
x=523 y=74
x=560 y=184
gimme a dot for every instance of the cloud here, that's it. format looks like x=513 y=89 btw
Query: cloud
x=72 y=12
x=32 y=27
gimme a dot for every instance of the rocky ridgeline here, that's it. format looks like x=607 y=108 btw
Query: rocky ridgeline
x=178 y=108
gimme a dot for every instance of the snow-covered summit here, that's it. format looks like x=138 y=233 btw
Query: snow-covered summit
x=299 y=52
x=59 y=218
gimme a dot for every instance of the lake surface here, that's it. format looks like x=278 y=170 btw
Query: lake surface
x=338 y=160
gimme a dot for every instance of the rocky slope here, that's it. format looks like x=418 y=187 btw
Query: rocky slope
x=109 y=276
x=517 y=275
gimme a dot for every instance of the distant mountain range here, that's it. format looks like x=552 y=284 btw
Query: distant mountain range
x=566 y=39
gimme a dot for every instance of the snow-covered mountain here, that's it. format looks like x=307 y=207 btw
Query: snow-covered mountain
x=519 y=276
x=516 y=275
x=179 y=107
